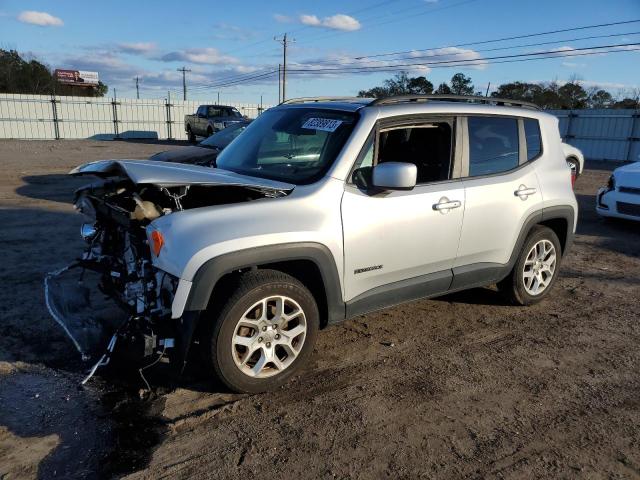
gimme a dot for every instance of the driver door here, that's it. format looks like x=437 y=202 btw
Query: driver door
x=401 y=245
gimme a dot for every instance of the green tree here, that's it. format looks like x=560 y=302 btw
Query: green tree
x=572 y=95
x=461 y=84
x=600 y=99
x=443 y=89
x=18 y=75
x=401 y=84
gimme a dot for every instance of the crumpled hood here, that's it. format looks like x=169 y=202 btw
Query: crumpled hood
x=628 y=175
x=193 y=155
x=166 y=174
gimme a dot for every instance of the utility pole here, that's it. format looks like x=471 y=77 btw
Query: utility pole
x=284 y=41
x=218 y=98
x=487 y=92
x=137 y=88
x=279 y=84
x=184 y=71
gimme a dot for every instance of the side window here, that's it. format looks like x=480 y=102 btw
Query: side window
x=214 y=112
x=493 y=145
x=202 y=110
x=532 y=135
x=427 y=145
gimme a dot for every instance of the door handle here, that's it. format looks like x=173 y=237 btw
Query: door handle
x=523 y=191
x=444 y=205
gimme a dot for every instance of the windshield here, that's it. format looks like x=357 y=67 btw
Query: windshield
x=224 y=137
x=294 y=145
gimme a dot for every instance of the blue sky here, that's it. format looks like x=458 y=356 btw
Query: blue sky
x=223 y=40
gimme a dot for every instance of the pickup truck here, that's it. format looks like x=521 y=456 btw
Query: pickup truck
x=209 y=119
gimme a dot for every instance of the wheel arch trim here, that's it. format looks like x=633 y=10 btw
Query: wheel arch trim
x=208 y=275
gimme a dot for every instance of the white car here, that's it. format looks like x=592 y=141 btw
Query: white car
x=621 y=197
x=575 y=160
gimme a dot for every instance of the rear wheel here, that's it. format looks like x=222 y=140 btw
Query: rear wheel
x=536 y=268
x=264 y=333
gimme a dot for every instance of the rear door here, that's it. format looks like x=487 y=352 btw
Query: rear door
x=402 y=244
x=501 y=192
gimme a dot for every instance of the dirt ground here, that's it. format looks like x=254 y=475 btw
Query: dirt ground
x=457 y=387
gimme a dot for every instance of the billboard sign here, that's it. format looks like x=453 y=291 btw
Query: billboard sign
x=78 y=78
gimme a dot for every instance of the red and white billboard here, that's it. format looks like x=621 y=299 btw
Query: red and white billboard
x=78 y=78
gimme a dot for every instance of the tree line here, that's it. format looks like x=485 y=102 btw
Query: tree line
x=19 y=75
x=548 y=95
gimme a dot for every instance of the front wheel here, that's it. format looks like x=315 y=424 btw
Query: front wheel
x=191 y=135
x=536 y=268
x=264 y=333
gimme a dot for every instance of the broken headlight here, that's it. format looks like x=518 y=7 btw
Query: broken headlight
x=86 y=208
x=88 y=231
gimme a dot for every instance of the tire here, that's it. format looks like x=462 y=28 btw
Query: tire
x=249 y=369
x=519 y=287
x=190 y=134
x=575 y=168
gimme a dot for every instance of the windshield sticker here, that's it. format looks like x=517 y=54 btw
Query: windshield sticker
x=324 y=124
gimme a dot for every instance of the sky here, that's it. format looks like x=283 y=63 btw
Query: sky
x=231 y=51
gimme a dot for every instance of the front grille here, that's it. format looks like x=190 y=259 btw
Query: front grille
x=628 y=208
x=633 y=190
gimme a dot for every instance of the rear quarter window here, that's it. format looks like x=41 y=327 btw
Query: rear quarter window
x=533 y=138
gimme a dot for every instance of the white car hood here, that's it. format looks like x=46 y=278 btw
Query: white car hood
x=166 y=174
x=628 y=176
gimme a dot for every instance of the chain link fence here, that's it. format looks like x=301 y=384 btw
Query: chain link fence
x=55 y=117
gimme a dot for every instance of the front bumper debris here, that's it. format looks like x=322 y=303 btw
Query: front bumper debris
x=88 y=317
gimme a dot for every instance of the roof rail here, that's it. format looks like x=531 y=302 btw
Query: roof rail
x=453 y=98
x=320 y=99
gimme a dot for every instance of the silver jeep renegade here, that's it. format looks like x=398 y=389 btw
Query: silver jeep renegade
x=321 y=210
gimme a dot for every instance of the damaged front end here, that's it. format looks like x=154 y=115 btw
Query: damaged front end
x=113 y=293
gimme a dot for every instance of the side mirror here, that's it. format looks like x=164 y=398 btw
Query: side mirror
x=395 y=176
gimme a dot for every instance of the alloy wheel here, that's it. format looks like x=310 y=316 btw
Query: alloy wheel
x=269 y=336
x=539 y=267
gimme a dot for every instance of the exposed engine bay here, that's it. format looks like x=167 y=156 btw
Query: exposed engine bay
x=117 y=264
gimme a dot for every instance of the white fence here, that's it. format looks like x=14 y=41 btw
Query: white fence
x=48 y=117
x=602 y=134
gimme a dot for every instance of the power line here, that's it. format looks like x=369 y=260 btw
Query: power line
x=501 y=39
x=510 y=47
x=230 y=80
x=427 y=64
x=237 y=80
x=462 y=63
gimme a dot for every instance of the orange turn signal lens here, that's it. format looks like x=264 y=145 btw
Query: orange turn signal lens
x=157 y=242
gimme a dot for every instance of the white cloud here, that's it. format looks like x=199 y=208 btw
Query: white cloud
x=282 y=18
x=450 y=54
x=338 y=21
x=42 y=19
x=208 y=56
x=310 y=20
x=430 y=1
x=137 y=48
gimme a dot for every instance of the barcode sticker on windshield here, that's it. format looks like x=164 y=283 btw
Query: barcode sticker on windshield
x=324 y=124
